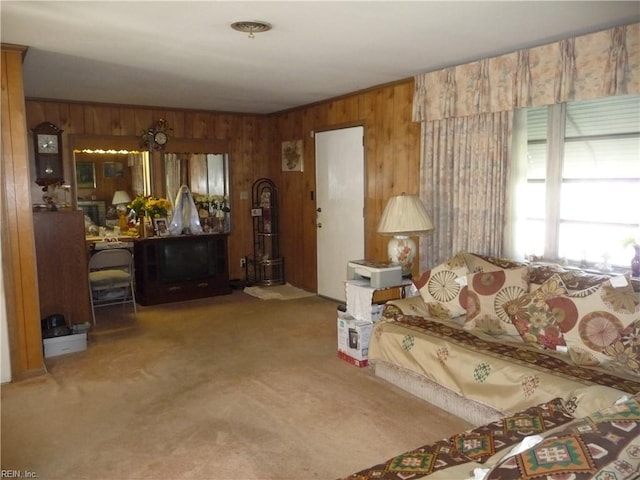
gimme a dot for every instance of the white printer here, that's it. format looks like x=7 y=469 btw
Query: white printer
x=380 y=275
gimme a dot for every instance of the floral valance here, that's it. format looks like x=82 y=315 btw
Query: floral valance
x=581 y=68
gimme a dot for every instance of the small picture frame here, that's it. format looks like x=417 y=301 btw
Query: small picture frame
x=161 y=227
x=292 y=156
x=113 y=169
x=86 y=174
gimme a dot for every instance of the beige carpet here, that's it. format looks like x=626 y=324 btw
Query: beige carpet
x=277 y=292
x=224 y=388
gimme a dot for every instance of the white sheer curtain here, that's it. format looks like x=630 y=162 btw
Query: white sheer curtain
x=198 y=178
x=172 y=166
x=136 y=162
x=515 y=246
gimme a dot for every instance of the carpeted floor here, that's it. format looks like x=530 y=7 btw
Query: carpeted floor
x=229 y=387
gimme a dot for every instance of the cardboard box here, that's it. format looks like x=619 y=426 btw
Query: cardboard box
x=66 y=344
x=353 y=338
x=352 y=361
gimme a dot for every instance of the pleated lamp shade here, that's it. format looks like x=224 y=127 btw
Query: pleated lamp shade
x=403 y=216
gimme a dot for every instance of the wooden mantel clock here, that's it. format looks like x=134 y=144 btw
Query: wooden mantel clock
x=47 y=142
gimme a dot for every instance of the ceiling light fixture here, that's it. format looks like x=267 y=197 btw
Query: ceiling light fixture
x=251 y=27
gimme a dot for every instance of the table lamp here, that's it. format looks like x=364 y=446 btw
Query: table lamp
x=120 y=200
x=403 y=216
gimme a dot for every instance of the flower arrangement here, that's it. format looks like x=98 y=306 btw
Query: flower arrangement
x=150 y=206
x=215 y=205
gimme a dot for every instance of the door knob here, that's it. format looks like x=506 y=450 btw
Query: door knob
x=319 y=225
x=319 y=210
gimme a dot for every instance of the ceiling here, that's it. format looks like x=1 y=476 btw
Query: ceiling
x=185 y=55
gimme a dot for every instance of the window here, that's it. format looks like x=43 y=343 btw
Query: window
x=583 y=181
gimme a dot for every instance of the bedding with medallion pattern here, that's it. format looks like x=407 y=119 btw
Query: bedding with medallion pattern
x=530 y=333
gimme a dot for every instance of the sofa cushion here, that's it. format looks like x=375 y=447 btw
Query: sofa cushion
x=600 y=325
x=603 y=445
x=443 y=288
x=490 y=296
x=534 y=319
x=483 y=442
x=585 y=400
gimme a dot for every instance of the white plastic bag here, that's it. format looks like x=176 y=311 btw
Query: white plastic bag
x=185 y=214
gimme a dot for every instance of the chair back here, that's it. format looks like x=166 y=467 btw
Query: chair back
x=113 y=259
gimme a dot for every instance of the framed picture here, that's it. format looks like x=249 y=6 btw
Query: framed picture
x=292 y=156
x=161 y=227
x=86 y=174
x=113 y=169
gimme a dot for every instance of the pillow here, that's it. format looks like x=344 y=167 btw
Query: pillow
x=108 y=278
x=489 y=297
x=600 y=325
x=534 y=319
x=484 y=263
x=443 y=288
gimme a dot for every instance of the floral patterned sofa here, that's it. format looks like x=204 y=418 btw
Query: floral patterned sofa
x=488 y=337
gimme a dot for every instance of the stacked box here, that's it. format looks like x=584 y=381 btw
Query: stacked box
x=353 y=339
x=64 y=344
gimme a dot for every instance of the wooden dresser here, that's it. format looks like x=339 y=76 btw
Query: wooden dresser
x=185 y=267
x=62 y=265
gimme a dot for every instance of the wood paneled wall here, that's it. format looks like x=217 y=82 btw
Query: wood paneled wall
x=391 y=150
x=16 y=226
x=246 y=134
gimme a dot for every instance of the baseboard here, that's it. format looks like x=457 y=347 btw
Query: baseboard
x=473 y=412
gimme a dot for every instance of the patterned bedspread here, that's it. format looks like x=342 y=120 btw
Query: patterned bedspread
x=505 y=375
x=603 y=445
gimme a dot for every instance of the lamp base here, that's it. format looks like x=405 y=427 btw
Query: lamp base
x=401 y=250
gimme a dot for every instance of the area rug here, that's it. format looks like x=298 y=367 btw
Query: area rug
x=278 y=292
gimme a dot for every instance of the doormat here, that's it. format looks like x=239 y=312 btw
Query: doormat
x=278 y=292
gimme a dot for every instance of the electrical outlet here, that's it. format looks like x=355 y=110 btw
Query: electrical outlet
x=243 y=262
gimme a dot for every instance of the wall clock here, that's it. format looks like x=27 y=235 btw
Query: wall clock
x=160 y=138
x=157 y=136
x=47 y=150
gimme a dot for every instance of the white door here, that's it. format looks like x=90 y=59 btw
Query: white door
x=340 y=204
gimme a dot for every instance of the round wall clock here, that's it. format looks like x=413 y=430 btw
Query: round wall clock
x=157 y=136
x=160 y=138
x=47 y=142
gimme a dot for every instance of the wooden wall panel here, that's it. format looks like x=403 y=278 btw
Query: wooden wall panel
x=18 y=245
x=392 y=144
x=247 y=136
x=391 y=155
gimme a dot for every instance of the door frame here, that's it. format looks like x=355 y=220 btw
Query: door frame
x=328 y=128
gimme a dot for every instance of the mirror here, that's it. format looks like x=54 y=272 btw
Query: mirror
x=104 y=165
x=99 y=174
x=207 y=176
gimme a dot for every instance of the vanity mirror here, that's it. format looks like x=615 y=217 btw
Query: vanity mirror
x=207 y=176
x=118 y=164
x=102 y=167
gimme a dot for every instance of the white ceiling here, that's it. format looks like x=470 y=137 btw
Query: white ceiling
x=185 y=55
